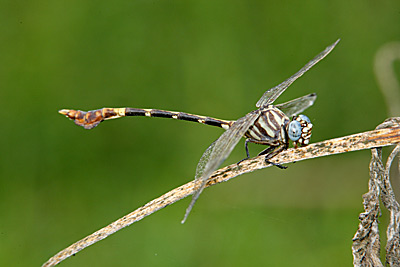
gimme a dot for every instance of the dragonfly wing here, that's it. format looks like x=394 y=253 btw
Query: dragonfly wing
x=204 y=160
x=272 y=94
x=218 y=151
x=298 y=105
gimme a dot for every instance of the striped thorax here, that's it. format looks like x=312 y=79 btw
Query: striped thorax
x=274 y=128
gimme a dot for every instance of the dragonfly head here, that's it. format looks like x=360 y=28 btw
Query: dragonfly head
x=299 y=130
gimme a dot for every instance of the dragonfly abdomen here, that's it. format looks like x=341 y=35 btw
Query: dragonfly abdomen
x=178 y=116
x=91 y=119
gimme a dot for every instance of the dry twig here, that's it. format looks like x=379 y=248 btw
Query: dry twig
x=366 y=140
x=366 y=242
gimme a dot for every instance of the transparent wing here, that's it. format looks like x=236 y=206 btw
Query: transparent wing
x=218 y=151
x=203 y=160
x=298 y=105
x=272 y=94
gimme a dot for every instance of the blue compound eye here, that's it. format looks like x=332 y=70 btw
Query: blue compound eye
x=294 y=130
x=304 y=118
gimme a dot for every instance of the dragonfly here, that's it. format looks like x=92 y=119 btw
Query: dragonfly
x=272 y=125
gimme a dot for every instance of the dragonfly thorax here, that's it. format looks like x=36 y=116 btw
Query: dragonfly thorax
x=274 y=128
x=270 y=127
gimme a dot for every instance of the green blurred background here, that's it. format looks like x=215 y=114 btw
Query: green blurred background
x=60 y=182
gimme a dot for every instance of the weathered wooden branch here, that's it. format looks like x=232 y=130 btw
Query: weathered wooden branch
x=378 y=138
x=366 y=242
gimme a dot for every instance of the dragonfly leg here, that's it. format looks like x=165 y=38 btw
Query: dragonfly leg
x=271 y=152
x=246 y=146
x=267 y=151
